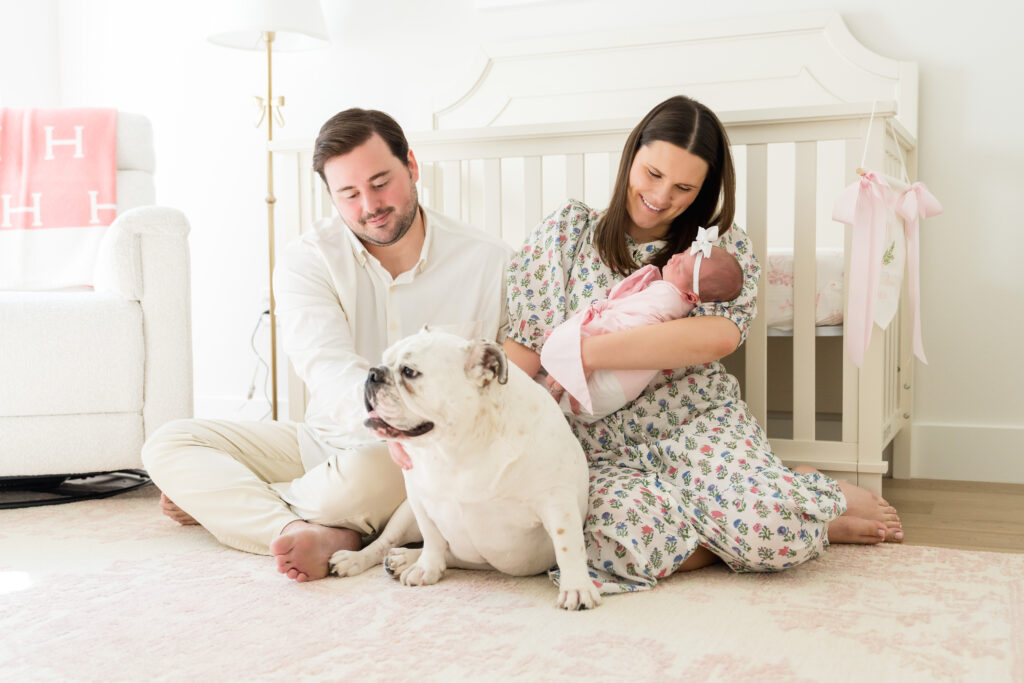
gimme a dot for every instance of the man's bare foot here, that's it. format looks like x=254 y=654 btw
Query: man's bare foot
x=303 y=549
x=865 y=506
x=168 y=507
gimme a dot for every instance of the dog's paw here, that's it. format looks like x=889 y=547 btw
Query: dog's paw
x=422 y=574
x=578 y=594
x=348 y=563
x=399 y=559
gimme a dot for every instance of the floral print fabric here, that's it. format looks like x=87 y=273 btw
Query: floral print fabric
x=685 y=464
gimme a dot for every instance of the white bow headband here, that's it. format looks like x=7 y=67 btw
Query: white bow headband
x=701 y=248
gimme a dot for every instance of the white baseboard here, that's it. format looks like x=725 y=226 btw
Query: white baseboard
x=968 y=453
x=237 y=408
x=940 y=451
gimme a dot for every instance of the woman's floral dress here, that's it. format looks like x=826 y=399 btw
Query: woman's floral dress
x=685 y=464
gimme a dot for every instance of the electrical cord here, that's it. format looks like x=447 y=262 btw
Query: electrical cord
x=259 y=361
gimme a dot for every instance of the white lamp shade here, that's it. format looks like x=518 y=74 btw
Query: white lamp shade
x=297 y=24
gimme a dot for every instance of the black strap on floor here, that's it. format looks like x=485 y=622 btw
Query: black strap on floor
x=23 y=492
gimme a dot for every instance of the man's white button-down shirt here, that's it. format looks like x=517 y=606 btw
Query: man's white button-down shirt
x=339 y=309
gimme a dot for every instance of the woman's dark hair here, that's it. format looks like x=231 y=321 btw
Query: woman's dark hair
x=690 y=125
x=346 y=130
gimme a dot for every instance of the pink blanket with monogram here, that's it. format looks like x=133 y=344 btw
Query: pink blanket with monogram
x=58 y=191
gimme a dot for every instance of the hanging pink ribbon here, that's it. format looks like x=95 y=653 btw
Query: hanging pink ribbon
x=864 y=205
x=913 y=205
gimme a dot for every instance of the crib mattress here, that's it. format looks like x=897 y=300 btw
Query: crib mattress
x=829 y=292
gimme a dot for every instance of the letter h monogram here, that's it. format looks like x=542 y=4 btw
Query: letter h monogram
x=35 y=210
x=51 y=142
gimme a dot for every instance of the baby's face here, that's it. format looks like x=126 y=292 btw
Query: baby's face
x=679 y=271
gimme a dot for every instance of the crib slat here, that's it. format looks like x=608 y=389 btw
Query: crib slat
x=614 y=159
x=451 y=188
x=492 y=197
x=428 y=185
x=315 y=200
x=533 y=191
x=466 y=193
x=756 y=359
x=308 y=195
x=804 y=286
x=311 y=196
x=854 y=147
x=574 y=176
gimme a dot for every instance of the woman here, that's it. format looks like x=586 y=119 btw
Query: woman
x=683 y=475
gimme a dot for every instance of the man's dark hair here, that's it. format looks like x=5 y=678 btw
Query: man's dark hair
x=348 y=129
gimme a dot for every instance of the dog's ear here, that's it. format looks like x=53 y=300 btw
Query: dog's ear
x=487 y=362
x=424 y=328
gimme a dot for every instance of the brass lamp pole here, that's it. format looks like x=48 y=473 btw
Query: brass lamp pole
x=262 y=25
x=268 y=114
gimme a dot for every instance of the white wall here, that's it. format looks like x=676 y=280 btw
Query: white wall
x=397 y=55
x=28 y=38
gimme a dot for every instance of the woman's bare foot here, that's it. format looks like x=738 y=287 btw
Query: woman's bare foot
x=701 y=557
x=168 y=507
x=303 y=549
x=847 y=529
x=864 y=506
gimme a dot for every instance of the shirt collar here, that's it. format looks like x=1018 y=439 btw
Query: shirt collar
x=358 y=249
x=428 y=240
x=360 y=252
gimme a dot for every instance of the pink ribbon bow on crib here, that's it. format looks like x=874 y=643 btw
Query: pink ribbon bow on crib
x=913 y=205
x=865 y=205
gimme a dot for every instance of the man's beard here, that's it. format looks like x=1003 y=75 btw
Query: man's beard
x=403 y=221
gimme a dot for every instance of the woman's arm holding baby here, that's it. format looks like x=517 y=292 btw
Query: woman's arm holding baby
x=673 y=344
x=527 y=359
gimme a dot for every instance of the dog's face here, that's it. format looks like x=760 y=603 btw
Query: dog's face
x=431 y=382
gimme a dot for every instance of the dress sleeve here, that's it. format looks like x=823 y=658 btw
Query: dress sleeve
x=743 y=308
x=539 y=274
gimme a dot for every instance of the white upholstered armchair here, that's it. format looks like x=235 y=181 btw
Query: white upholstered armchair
x=86 y=376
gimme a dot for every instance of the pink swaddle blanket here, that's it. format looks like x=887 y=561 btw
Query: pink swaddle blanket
x=643 y=298
x=58 y=192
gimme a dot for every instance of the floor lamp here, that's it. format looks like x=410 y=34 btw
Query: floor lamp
x=268 y=26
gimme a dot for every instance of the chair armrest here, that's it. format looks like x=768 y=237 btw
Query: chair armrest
x=119 y=267
x=144 y=257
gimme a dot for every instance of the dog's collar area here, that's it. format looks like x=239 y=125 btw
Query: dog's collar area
x=375 y=423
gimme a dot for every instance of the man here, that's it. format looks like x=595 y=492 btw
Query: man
x=345 y=291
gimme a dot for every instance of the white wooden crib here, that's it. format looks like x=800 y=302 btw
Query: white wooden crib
x=542 y=122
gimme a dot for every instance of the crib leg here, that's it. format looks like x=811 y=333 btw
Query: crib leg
x=871 y=482
x=901 y=454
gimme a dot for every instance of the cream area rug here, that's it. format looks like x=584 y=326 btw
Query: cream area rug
x=109 y=590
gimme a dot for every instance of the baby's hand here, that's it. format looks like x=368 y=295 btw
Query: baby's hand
x=557 y=390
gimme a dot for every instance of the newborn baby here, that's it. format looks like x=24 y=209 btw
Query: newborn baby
x=643 y=298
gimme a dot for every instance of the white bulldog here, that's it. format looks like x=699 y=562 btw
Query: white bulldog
x=498 y=480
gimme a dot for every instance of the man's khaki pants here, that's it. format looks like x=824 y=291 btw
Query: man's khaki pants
x=244 y=481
